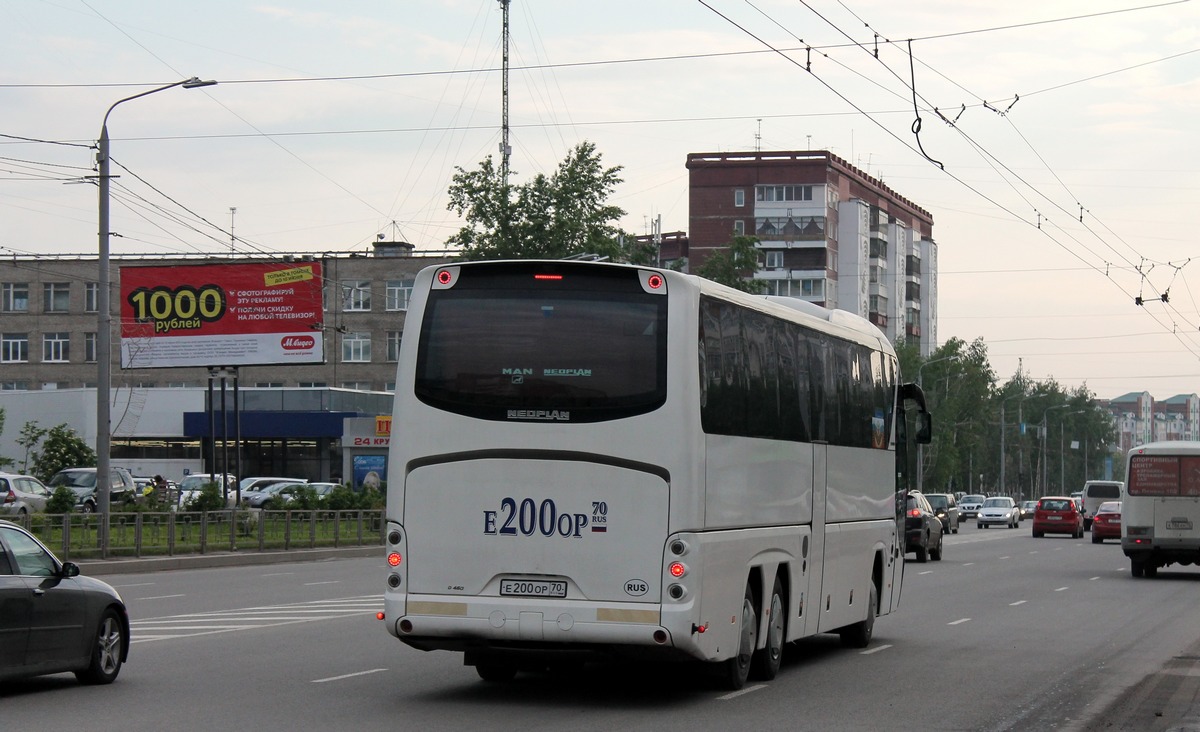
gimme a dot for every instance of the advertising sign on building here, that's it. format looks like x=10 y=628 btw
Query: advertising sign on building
x=245 y=314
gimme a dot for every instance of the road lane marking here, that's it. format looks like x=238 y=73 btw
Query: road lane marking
x=928 y=571
x=276 y=574
x=1060 y=589
x=226 y=621
x=1090 y=579
x=959 y=622
x=326 y=582
x=135 y=584
x=160 y=597
x=1018 y=602
x=967 y=564
x=877 y=649
x=736 y=694
x=348 y=676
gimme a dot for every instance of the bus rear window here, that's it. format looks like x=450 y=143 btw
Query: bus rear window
x=501 y=345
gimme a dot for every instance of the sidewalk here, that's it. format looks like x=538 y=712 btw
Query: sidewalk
x=124 y=565
x=1167 y=700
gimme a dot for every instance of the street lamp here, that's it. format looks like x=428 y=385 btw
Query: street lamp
x=104 y=324
x=920 y=446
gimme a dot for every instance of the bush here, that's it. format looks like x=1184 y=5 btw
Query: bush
x=209 y=499
x=346 y=499
x=61 y=501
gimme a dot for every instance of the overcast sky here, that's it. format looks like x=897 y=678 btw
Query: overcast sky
x=1057 y=147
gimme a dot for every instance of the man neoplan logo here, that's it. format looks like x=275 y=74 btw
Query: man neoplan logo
x=540 y=415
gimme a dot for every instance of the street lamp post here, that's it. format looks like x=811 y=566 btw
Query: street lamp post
x=104 y=324
x=920 y=447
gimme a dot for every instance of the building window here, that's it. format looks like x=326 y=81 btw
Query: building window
x=393 y=345
x=56 y=297
x=14 y=348
x=269 y=385
x=89 y=347
x=52 y=385
x=357 y=385
x=14 y=386
x=768 y=194
x=398 y=293
x=389 y=386
x=356 y=347
x=56 y=347
x=774 y=260
x=812 y=288
x=91 y=297
x=312 y=384
x=181 y=384
x=739 y=228
x=356 y=295
x=15 y=297
x=739 y=197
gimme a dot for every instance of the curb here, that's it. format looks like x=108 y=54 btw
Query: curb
x=100 y=567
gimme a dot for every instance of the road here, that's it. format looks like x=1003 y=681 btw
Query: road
x=1006 y=633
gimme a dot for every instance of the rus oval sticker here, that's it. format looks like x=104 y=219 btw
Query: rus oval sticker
x=636 y=587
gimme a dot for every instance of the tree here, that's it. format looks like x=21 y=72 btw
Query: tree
x=62 y=449
x=553 y=217
x=735 y=266
x=31 y=435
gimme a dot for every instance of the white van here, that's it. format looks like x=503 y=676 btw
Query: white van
x=1096 y=492
x=1160 y=514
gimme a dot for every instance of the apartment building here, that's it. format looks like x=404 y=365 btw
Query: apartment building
x=827 y=233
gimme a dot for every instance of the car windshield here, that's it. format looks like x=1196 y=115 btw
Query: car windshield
x=972 y=499
x=998 y=502
x=937 y=501
x=75 y=479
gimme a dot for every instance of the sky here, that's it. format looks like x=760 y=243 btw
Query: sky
x=1053 y=142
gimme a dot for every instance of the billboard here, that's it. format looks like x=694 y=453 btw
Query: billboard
x=245 y=314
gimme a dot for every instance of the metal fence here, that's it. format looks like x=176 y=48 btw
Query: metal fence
x=77 y=536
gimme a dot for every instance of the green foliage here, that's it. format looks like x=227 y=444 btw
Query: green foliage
x=549 y=217
x=304 y=498
x=61 y=501
x=208 y=499
x=62 y=448
x=347 y=499
x=735 y=265
x=31 y=435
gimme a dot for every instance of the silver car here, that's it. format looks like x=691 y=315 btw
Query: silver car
x=998 y=511
x=21 y=495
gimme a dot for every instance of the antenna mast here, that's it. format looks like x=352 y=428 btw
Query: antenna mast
x=505 y=149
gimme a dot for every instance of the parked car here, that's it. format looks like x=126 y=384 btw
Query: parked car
x=271 y=496
x=54 y=619
x=922 y=529
x=324 y=489
x=969 y=506
x=121 y=486
x=191 y=486
x=1106 y=524
x=1096 y=492
x=998 y=511
x=258 y=483
x=1057 y=515
x=22 y=494
x=1027 y=509
x=945 y=505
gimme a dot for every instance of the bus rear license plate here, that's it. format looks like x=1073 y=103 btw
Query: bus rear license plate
x=532 y=588
x=1177 y=524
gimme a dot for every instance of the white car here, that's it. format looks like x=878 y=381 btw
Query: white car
x=999 y=511
x=969 y=506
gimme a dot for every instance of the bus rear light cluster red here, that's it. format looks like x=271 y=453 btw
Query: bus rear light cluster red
x=655 y=281
x=394 y=559
x=547 y=277
x=677 y=569
x=444 y=277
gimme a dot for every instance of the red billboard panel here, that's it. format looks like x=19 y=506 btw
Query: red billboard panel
x=247 y=314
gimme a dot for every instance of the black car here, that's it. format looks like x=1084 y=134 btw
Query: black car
x=922 y=529
x=122 y=488
x=53 y=619
x=946 y=508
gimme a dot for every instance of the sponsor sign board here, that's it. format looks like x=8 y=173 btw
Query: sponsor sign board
x=242 y=314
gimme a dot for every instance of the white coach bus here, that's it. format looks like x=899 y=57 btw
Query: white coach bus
x=1160 y=513
x=607 y=460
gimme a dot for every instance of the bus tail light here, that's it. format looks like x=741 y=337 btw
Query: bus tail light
x=379 y=615
x=677 y=569
x=394 y=559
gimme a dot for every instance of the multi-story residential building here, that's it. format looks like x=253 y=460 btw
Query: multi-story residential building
x=48 y=323
x=1139 y=418
x=827 y=233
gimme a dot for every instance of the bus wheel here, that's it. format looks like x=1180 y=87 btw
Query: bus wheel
x=859 y=634
x=737 y=669
x=493 y=671
x=1137 y=567
x=765 y=662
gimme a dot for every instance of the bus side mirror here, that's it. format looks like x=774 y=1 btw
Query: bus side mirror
x=924 y=428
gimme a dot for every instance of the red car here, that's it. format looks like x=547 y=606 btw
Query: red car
x=1106 y=524
x=1058 y=515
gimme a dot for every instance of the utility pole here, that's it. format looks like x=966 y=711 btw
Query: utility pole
x=505 y=148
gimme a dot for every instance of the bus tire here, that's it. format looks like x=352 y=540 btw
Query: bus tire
x=764 y=665
x=1137 y=567
x=859 y=634
x=736 y=670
